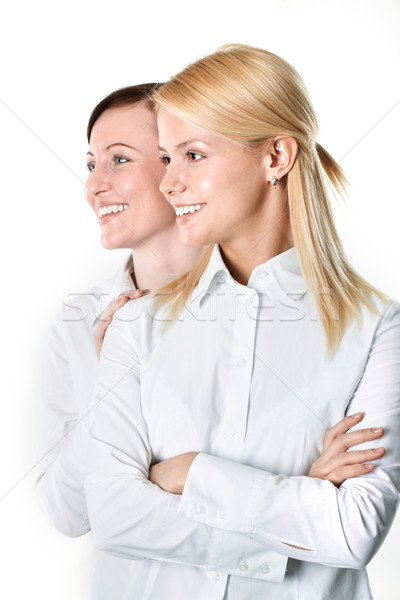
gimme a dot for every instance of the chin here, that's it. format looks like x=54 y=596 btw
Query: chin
x=109 y=243
x=195 y=241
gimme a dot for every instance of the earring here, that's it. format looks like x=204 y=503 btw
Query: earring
x=274 y=183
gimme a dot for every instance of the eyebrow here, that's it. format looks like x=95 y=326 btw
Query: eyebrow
x=185 y=143
x=118 y=144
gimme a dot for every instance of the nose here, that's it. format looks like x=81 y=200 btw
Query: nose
x=172 y=182
x=97 y=183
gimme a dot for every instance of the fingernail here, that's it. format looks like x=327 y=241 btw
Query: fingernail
x=376 y=429
x=378 y=450
x=368 y=467
x=356 y=415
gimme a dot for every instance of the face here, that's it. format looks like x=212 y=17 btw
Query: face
x=125 y=172
x=222 y=183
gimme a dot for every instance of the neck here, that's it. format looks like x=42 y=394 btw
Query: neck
x=159 y=262
x=265 y=239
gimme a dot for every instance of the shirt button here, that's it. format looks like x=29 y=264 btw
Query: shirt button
x=221 y=516
x=265 y=569
x=200 y=509
x=243 y=566
x=264 y=274
x=233 y=434
x=241 y=363
x=217 y=577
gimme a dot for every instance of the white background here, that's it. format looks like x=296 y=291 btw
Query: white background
x=57 y=61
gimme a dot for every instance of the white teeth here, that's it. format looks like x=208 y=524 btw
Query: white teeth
x=111 y=208
x=189 y=208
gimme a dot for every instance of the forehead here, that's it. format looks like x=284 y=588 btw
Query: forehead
x=173 y=129
x=132 y=123
x=176 y=133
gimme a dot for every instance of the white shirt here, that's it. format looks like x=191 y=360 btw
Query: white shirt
x=68 y=378
x=242 y=377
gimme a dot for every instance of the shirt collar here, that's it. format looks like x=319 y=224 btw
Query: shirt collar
x=284 y=268
x=215 y=271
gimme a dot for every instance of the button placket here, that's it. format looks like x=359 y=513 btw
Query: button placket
x=238 y=377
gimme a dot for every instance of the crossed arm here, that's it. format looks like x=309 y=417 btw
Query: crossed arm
x=134 y=518
x=336 y=463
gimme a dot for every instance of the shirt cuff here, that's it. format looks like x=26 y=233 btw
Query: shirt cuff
x=223 y=494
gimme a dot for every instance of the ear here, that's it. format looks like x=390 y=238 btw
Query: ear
x=282 y=153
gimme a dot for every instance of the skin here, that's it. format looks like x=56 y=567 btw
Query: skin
x=239 y=206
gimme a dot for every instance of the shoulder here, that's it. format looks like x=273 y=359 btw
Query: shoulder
x=382 y=324
x=138 y=325
x=83 y=308
x=384 y=310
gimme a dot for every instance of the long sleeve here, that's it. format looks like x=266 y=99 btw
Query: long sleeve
x=59 y=483
x=337 y=527
x=131 y=517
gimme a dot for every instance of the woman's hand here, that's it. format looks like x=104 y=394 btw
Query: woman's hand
x=336 y=464
x=170 y=474
x=108 y=313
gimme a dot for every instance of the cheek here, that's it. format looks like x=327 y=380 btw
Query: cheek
x=153 y=174
x=128 y=188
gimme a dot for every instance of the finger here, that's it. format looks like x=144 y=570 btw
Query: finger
x=341 y=427
x=345 y=441
x=101 y=328
x=119 y=302
x=353 y=457
x=338 y=476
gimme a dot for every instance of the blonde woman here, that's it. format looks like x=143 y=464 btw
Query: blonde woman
x=214 y=405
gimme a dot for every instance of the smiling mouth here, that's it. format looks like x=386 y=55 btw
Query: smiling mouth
x=111 y=208
x=188 y=208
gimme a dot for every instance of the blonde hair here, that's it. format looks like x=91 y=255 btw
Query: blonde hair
x=250 y=95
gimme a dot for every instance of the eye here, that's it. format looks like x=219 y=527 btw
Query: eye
x=90 y=167
x=194 y=156
x=165 y=160
x=120 y=160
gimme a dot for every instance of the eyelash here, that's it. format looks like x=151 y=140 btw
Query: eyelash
x=166 y=159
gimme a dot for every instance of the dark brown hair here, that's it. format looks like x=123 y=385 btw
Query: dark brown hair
x=123 y=97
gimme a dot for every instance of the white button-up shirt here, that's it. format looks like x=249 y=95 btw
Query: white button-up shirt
x=69 y=375
x=242 y=377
